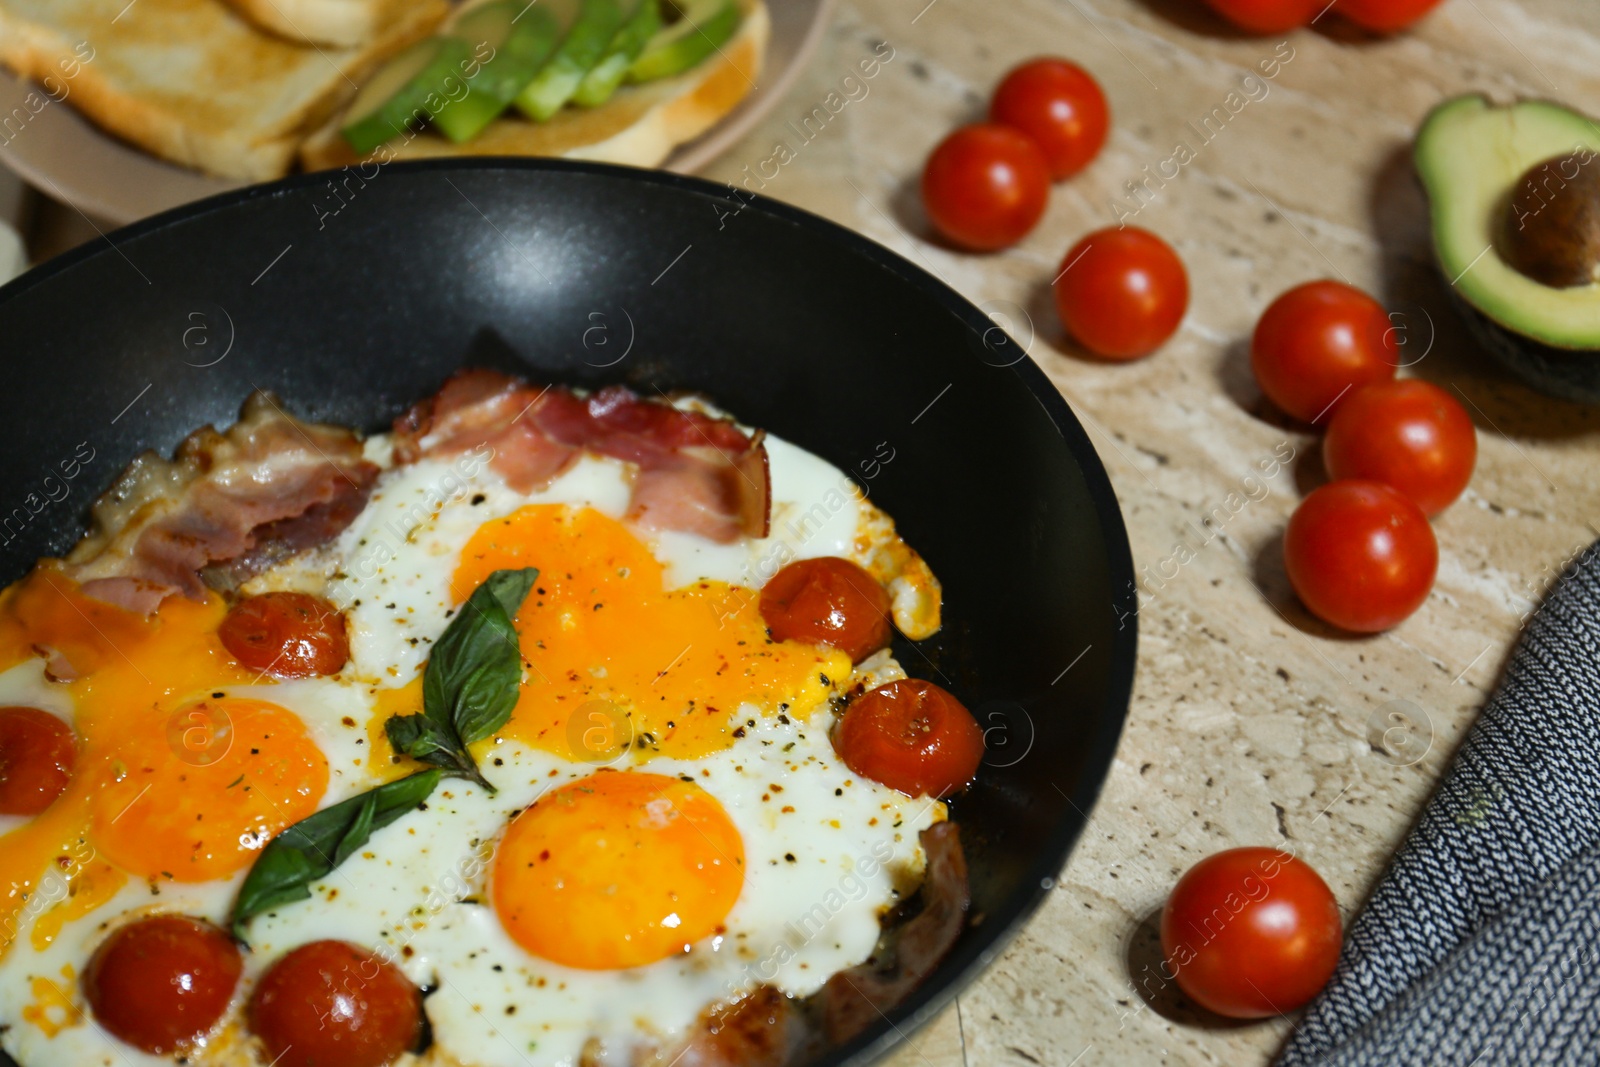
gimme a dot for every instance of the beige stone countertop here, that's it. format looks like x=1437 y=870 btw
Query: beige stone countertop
x=1251 y=722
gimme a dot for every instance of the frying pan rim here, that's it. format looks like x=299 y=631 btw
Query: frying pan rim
x=997 y=932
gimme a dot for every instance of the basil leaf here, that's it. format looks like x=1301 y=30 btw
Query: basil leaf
x=311 y=848
x=419 y=737
x=511 y=587
x=423 y=739
x=471 y=681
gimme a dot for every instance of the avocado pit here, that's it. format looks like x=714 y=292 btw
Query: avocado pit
x=1550 y=230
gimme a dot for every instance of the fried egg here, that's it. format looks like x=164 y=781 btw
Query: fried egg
x=657 y=722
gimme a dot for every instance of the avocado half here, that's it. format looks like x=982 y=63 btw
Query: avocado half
x=1472 y=156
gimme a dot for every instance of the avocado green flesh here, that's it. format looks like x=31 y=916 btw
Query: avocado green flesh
x=585 y=46
x=1470 y=155
x=407 y=89
x=511 y=40
x=598 y=85
x=705 y=26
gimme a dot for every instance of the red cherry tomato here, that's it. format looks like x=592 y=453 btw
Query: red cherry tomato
x=1408 y=434
x=1269 y=16
x=1251 y=932
x=330 y=1002
x=827 y=601
x=912 y=736
x=36 y=755
x=985 y=186
x=1385 y=16
x=1122 y=292
x=1360 y=555
x=289 y=635
x=1319 y=341
x=161 y=984
x=1060 y=107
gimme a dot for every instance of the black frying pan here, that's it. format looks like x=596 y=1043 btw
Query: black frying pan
x=350 y=298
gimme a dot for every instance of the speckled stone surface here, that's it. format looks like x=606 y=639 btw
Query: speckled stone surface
x=1252 y=723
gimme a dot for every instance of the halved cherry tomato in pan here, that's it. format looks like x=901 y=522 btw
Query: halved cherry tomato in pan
x=827 y=601
x=912 y=736
x=162 y=983
x=289 y=635
x=36 y=757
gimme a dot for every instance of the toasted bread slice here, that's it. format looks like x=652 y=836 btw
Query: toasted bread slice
x=640 y=125
x=190 y=80
x=342 y=23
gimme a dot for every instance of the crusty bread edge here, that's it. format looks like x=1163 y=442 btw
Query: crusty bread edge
x=339 y=23
x=708 y=93
x=35 y=52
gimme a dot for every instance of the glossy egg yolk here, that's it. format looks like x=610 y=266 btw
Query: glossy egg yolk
x=619 y=869
x=164 y=784
x=616 y=660
x=197 y=798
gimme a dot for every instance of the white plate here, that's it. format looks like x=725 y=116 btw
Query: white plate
x=72 y=160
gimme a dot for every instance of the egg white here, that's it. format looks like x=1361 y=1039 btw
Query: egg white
x=817 y=878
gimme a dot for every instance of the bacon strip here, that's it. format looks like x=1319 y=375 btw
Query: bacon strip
x=854 y=999
x=268 y=487
x=769 y=1029
x=479 y=409
x=765 y=1029
x=695 y=473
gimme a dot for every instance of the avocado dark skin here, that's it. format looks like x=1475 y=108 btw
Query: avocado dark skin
x=1551 y=227
x=1558 y=372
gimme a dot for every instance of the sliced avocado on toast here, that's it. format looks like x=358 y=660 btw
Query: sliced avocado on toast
x=536 y=55
x=586 y=44
x=511 y=41
x=626 y=44
x=694 y=29
x=1514 y=193
x=405 y=91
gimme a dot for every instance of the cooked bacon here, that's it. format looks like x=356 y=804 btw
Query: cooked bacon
x=479 y=409
x=696 y=473
x=57 y=667
x=765 y=1029
x=854 y=999
x=271 y=485
x=769 y=1029
x=700 y=491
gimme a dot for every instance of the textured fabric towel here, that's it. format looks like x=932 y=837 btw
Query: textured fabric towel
x=1481 y=943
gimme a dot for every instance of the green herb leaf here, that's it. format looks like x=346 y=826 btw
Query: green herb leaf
x=311 y=848
x=423 y=739
x=419 y=737
x=470 y=684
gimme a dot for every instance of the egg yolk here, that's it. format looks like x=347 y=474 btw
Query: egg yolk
x=165 y=784
x=616 y=661
x=619 y=869
x=197 y=799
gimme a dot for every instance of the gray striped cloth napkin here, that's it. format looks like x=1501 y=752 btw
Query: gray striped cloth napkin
x=1480 y=944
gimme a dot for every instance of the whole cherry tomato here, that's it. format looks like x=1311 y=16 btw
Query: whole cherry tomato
x=1060 y=107
x=985 y=186
x=1385 y=16
x=1251 y=932
x=1408 y=434
x=1269 y=16
x=1360 y=555
x=331 y=1002
x=827 y=601
x=289 y=635
x=1319 y=341
x=161 y=983
x=911 y=736
x=36 y=757
x=1122 y=292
